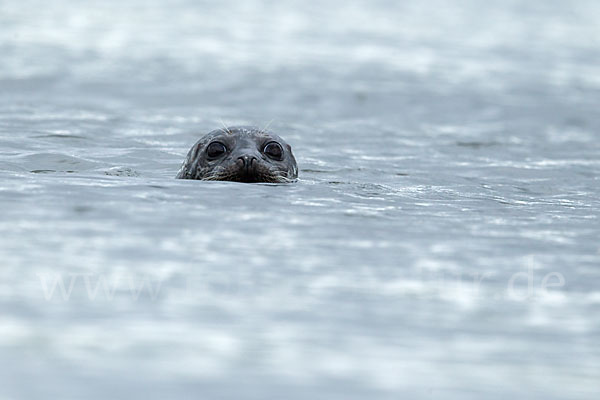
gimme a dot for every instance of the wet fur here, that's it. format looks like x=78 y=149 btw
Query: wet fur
x=197 y=166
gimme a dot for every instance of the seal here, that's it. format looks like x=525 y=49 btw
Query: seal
x=240 y=154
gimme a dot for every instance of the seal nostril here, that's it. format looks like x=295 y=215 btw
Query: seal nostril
x=247 y=161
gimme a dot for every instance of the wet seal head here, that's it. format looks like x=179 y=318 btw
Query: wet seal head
x=240 y=154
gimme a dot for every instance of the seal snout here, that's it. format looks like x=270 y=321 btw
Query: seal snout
x=248 y=171
x=247 y=162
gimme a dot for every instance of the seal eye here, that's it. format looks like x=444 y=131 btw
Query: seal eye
x=274 y=151
x=215 y=149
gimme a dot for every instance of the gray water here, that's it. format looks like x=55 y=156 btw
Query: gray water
x=441 y=243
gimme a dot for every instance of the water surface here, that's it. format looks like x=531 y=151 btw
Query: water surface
x=442 y=241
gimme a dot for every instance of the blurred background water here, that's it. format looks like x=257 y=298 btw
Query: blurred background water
x=442 y=241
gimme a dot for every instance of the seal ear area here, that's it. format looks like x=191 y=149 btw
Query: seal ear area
x=293 y=174
x=195 y=150
x=188 y=168
x=289 y=150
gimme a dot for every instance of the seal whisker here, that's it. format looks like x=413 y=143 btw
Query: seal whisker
x=268 y=125
x=225 y=128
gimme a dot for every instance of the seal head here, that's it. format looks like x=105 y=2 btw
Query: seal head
x=240 y=154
